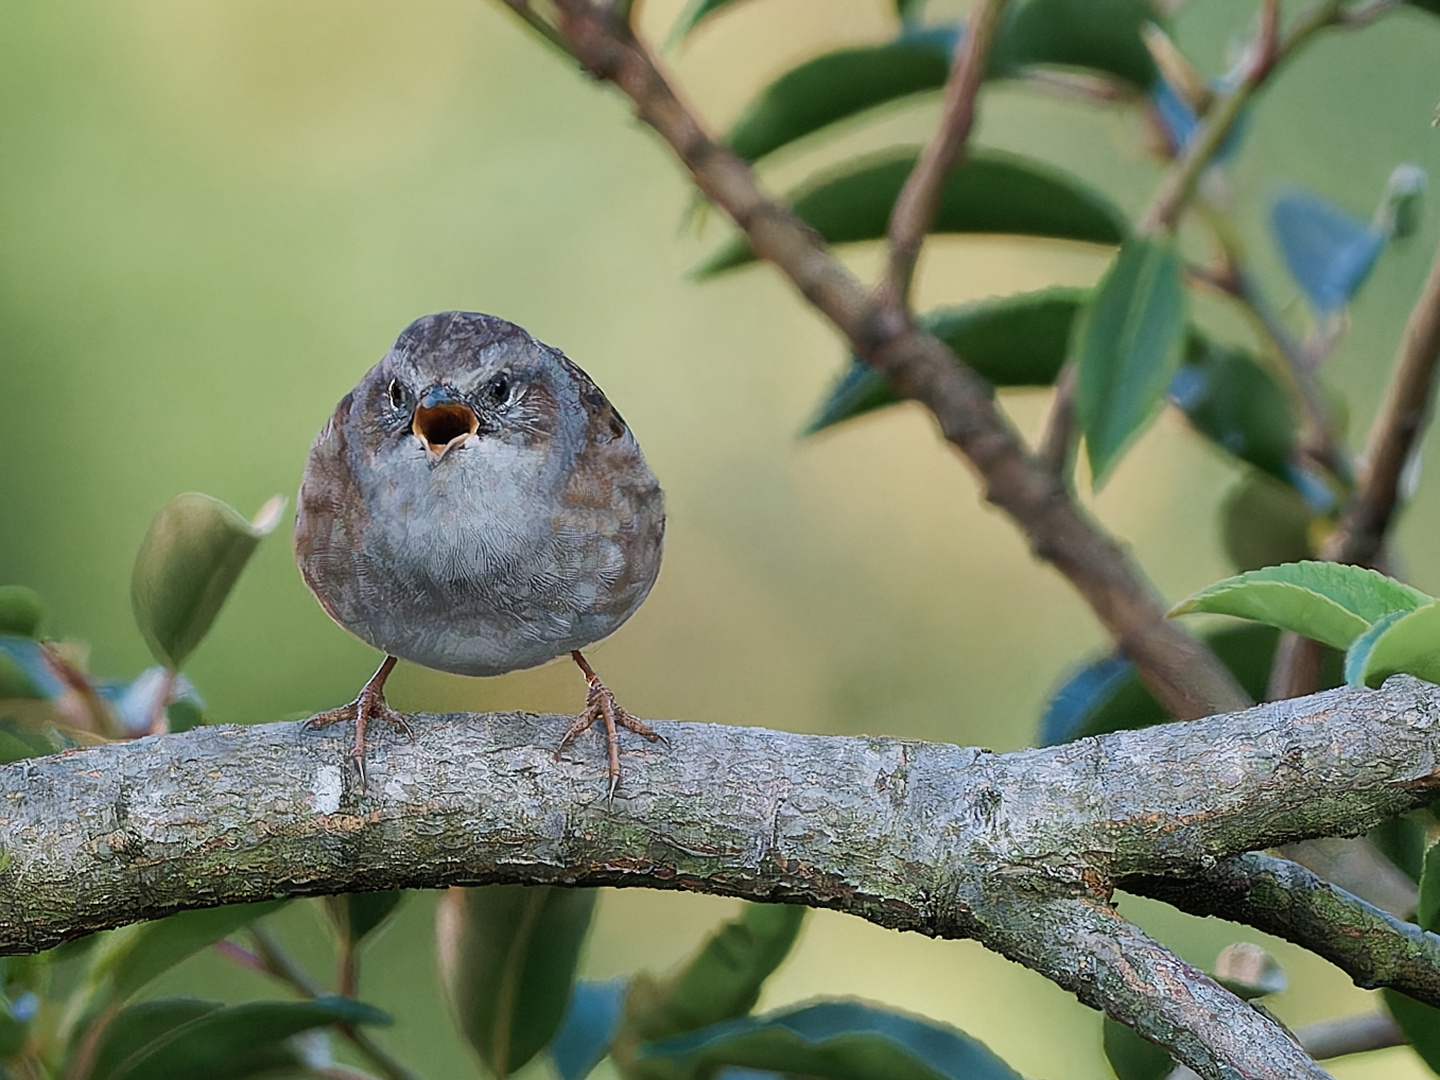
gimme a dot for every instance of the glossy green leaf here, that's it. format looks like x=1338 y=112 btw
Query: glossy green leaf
x=1403 y=841
x=1265 y=523
x=16 y=1020
x=838 y=85
x=837 y=1040
x=991 y=192
x=589 y=1027
x=1102 y=35
x=19 y=611
x=186 y=567
x=356 y=915
x=24 y=672
x=696 y=12
x=1419 y=1022
x=1235 y=403
x=1402 y=641
x=137 y=1026
x=1017 y=340
x=19 y=740
x=1127 y=349
x=1107 y=695
x=724 y=978
x=1330 y=602
x=507 y=959
x=131 y=957
x=1360 y=649
x=239 y=1041
x=1132 y=1057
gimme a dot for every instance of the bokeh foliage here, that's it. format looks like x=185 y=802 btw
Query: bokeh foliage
x=217 y=215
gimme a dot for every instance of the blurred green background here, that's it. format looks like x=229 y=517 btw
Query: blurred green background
x=215 y=215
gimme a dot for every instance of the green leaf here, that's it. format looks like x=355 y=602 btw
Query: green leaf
x=239 y=1041
x=1107 y=695
x=589 y=1027
x=696 y=12
x=838 y=85
x=1360 y=649
x=24 y=671
x=507 y=959
x=137 y=1026
x=1264 y=523
x=1402 y=641
x=130 y=958
x=1128 y=346
x=186 y=567
x=991 y=192
x=1330 y=602
x=1233 y=401
x=355 y=915
x=1103 y=35
x=1011 y=341
x=1132 y=1057
x=724 y=978
x=838 y=1040
x=1403 y=841
x=1419 y=1022
x=1427 y=912
x=18 y=741
x=19 y=611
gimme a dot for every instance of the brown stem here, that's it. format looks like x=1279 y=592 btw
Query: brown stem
x=1394 y=438
x=915 y=208
x=1178 y=186
x=1395 y=434
x=1182 y=673
x=279 y=965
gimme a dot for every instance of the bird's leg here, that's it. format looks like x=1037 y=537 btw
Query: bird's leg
x=600 y=704
x=368 y=704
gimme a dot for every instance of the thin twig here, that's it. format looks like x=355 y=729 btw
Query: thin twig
x=1182 y=672
x=915 y=208
x=279 y=964
x=1057 y=443
x=1178 y=186
x=1394 y=439
x=1395 y=435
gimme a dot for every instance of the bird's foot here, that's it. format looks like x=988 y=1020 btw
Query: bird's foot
x=369 y=704
x=600 y=704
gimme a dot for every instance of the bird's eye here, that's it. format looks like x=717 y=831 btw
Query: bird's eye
x=498 y=389
x=398 y=394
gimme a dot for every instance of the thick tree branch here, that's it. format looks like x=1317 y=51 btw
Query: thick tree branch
x=1111 y=965
x=1183 y=674
x=1018 y=851
x=908 y=835
x=1336 y=1038
x=1283 y=898
x=915 y=208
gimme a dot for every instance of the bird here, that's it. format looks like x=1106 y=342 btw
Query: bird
x=476 y=505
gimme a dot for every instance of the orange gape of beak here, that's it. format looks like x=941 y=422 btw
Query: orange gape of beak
x=441 y=427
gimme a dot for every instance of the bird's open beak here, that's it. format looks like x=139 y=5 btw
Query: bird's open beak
x=442 y=422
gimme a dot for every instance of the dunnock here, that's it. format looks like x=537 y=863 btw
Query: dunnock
x=477 y=505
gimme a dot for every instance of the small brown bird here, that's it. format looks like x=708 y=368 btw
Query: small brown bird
x=476 y=505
